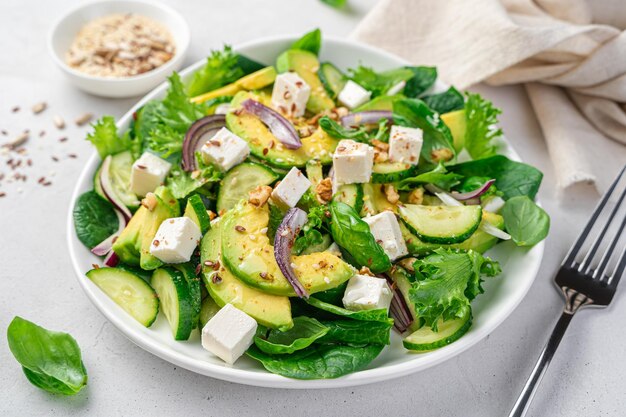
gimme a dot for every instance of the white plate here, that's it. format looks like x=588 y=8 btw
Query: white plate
x=502 y=294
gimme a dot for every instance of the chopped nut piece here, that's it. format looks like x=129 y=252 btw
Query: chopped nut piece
x=392 y=195
x=39 y=107
x=441 y=155
x=416 y=196
x=380 y=156
x=407 y=263
x=366 y=271
x=380 y=145
x=260 y=195
x=149 y=201
x=324 y=191
x=83 y=119
x=211 y=215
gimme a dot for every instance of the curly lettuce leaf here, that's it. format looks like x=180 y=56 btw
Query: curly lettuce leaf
x=446 y=282
x=482 y=120
x=183 y=183
x=220 y=69
x=106 y=140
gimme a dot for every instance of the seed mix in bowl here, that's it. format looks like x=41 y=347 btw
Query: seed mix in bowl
x=120 y=45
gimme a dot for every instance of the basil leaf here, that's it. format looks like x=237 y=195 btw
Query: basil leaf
x=353 y=234
x=335 y=130
x=423 y=78
x=94 y=219
x=512 y=178
x=446 y=102
x=304 y=332
x=379 y=315
x=415 y=113
x=50 y=360
x=318 y=361
x=526 y=222
x=311 y=42
x=379 y=82
x=438 y=176
x=356 y=332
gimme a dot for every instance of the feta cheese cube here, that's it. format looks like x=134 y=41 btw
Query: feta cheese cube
x=291 y=188
x=353 y=95
x=176 y=240
x=224 y=149
x=222 y=108
x=396 y=88
x=229 y=333
x=405 y=144
x=290 y=94
x=386 y=230
x=148 y=172
x=352 y=162
x=367 y=293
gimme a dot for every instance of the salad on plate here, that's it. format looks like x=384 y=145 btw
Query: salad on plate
x=299 y=213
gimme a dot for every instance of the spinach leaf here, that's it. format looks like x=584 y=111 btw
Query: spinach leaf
x=445 y=283
x=448 y=101
x=356 y=332
x=337 y=131
x=512 y=178
x=526 y=222
x=481 y=118
x=105 y=138
x=304 y=332
x=379 y=82
x=423 y=78
x=333 y=295
x=415 y=113
x=50 y=360
x=220 y=69
x=438 y=176
x=354 y=235
x=94 y=219
x=248 y=65
x=379 y=315
x=318 y=361
x=337 y=4
x=311 y=42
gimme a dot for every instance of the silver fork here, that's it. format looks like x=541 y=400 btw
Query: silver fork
x=583 y=279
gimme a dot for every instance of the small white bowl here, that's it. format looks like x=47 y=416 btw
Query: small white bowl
x=66 y=28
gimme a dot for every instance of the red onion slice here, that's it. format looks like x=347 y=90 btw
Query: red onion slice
x=276 y=123
x=106 y=245
x=473 y=194
x=112 y=259
x=366 y=117
x=109 y=192
x=399 y=310
x=285 y=236
x=207 y=126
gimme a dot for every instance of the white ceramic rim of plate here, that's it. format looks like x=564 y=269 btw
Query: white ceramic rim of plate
x=267 y=379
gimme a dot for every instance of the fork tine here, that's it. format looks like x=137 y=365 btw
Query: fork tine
x=586 y=263
x=619 y=269
x=599 y=272
x=571 y=255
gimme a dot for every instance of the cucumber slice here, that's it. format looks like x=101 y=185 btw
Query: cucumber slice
x=97 y=187
x=120 y=171
x=176 y=301
x=196 y=211
x=386 y=172
x=314 y=172
x=441 y=224
x=128 y=291
x=448 y=331
x=195 y=287
x=351 y=194
x=368 y=201
x=239 y=181
x=320 y=247
x=207 y=311
x=332 y=79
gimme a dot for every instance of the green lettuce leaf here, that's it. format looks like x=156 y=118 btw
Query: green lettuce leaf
x=220 y=69
x=423 y=78
x=183 y=183
x=439 y=176
x=106 y=140
x=379 y=82
x=482 y=120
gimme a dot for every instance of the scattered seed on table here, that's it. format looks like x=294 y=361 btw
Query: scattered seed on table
x=4 y=132
x=2 y=194
x=83 y=119
x=15 y=109
x=47 y=183
x=63 y=139
x=41 y=180
x=72 y=155
x=29 y=162
x=42 y=133
x=55 y=159
x=39 y=107
x=18 y=141
x=59 y=122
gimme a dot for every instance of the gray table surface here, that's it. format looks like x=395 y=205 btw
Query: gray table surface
x=38 y=283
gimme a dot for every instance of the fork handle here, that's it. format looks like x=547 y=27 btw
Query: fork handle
x=526 y=396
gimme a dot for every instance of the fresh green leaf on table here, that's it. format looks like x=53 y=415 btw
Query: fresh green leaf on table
x=526 y=222
x=446 y=102
x=354 y=235
x=50 y=360
x=482 y=119
x=94 y=219
x=304 y=332
x=512 y=178
x=423 y=78
x=311 y=41
x=318 y=361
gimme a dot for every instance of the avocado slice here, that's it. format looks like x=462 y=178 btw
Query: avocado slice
x=272 y=311
x=457 y=123
x=379 y=103
x=264 y=145
x=249 y=255
x=306 y=65
x=133 y=244
x=479 y=241
x=255 y=81
x=375 y=201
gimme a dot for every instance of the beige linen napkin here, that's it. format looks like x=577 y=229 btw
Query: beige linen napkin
x=567 y=53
